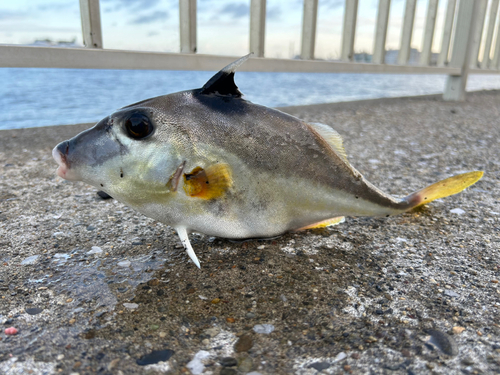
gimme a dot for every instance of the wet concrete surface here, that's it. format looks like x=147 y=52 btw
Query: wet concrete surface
x=93 y=287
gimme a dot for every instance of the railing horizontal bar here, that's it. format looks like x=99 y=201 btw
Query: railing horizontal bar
x=82 y=58
x=484 y=71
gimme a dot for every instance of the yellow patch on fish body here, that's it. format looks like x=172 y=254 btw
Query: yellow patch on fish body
x=209 y=183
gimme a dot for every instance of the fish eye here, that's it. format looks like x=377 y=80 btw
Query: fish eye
x=138 y=126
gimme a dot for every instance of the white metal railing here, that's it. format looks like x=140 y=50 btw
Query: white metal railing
x=459 y=55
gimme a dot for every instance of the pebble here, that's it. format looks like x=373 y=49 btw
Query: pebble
x=228 y=362
x=95 y=250
x=34 y=310
x=451 y=293
x=196 y=365
x=131 y=305
x=468 y=361
x=113 y=364
x=246 y=365
x=228 y=371
x=457 y=330
x=60 y=357
x=457 y=211
x=124 y=263
x=212 y=332
x=250 y=315
x=230 y=320
x=155 y=356
x=215 y=301
x=340 y=357
x=254 y=373
x=30 y=260
x=319 y=366
x=11 y=331
x=154 y=282
x=263 y=328
x=244 y=344
x=443 y=342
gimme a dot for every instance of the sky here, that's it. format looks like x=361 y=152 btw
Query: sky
x=153 y=25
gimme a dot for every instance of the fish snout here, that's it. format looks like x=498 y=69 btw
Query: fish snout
x=60 y=154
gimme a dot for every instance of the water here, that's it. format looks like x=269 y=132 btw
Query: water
x=42 y=97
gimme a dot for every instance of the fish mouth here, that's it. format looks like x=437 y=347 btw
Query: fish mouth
x=60 y=155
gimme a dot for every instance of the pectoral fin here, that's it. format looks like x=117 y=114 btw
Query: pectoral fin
x=209 y=183
x=324 y=223
x=182 y=232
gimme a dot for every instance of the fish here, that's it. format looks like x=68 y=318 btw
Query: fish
x=209 y=161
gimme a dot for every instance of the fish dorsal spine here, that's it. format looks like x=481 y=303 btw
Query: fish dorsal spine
x=222 y=83
x=331 y=137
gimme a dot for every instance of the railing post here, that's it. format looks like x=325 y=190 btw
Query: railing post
x=448 y=26
x=309 y=29
x=430 y=24
x=257 y=27
x=91 y=23
x=495 y=64
x=485 y=62
x=187 y=25
x=462 y=50
x=381 y=31
x=477 y=32
x=349 y=30
x=407 y=30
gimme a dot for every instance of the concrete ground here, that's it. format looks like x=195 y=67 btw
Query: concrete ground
x=93 y=287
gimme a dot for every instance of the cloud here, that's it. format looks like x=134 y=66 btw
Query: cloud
x=155 y=16
x=57 y=6
x=129 y=4
x=7 y=14
x=273 y=13
x=235 y=10
x=332 y=4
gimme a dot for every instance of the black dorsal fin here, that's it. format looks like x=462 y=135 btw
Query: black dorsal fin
x=222 y=84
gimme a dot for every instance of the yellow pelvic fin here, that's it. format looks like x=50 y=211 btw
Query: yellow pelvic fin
x=209 y=183
x=324 y=223
x=331 y=137
x=443 y=188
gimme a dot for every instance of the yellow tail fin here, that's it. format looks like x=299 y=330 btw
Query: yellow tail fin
x=443 y=188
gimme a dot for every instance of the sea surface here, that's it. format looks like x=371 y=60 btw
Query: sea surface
x=42 y=97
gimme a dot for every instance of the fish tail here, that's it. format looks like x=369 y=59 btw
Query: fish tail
x=443 y=188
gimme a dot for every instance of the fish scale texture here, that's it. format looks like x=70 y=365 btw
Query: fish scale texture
x=415 y=293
